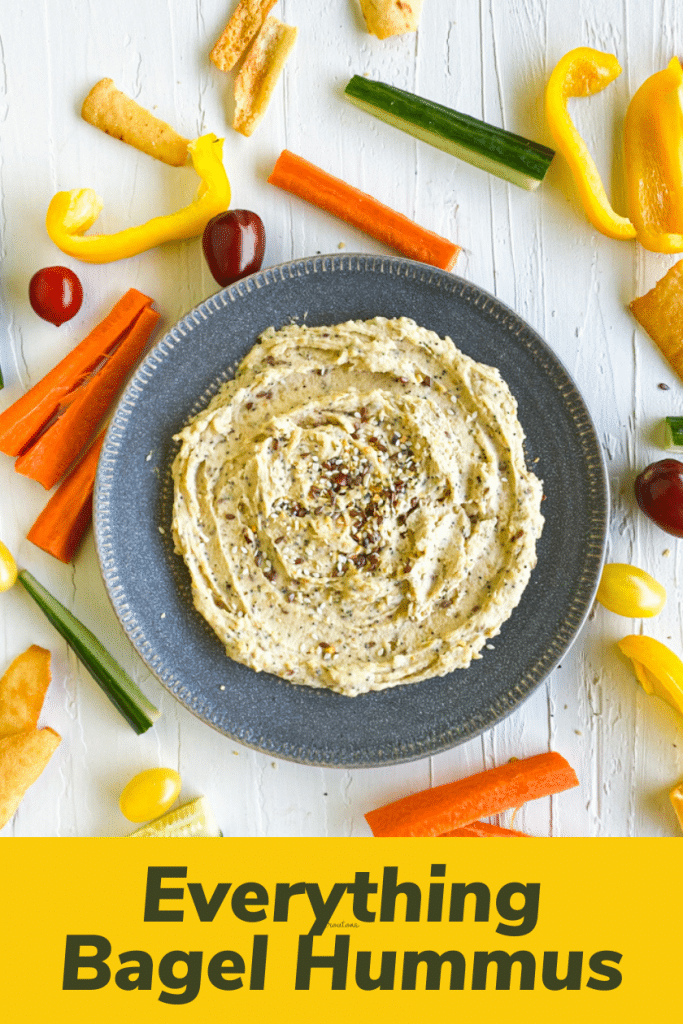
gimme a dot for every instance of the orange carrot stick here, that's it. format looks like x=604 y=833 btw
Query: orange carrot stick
x=433 y=812
x=296 y=175
x=23 y=421
x=60 y=527
x=57 y=447
x=483 y=830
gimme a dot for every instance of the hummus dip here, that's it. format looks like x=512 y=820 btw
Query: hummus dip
x=354 y=507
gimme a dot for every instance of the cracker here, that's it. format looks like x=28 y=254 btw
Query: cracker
x=391 y=17
x=660 y=312
x=108 y=108
x=246 y=21
x=23 y=757
x=22 y=690
x=259 y=73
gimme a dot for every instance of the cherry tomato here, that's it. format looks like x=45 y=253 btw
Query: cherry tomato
x=627 y=590
x=8 y=569
x=149 y=794
x=659 y=493
x=676 y=797
x=55 y=294
x=233 y=244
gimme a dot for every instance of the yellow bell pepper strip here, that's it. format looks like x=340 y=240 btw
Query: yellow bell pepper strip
x=653 y=145
x=70 y=214
x=584 y=72
x=658 y=670
x=676 y=798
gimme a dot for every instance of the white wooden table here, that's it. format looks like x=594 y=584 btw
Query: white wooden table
x=535 y=251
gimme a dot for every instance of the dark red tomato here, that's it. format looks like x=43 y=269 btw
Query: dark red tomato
x=55 y=294
x=234 y=243
x=659 y=493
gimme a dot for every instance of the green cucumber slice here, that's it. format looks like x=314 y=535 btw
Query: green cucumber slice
x=673 y=433
x=492 y=149
x=107 y=673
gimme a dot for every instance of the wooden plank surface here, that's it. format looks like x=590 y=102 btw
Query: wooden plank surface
x=535 y=251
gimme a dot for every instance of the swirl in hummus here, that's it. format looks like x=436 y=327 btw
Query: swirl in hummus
x=354 y=507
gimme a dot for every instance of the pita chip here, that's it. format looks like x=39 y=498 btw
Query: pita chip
x=386 y=18
x=246 y=21
x=259 y=73
x=115 y=113
x=22 y=691
x=23 y=757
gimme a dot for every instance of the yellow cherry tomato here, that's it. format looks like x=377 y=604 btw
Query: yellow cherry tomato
x=149 y=794
x=8 y=569
x=627 y=590
x=658 y=670
x=676 y=797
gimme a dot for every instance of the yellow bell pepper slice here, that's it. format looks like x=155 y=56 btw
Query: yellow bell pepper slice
x=658 y=670
x=70 y=214
x=676 y=798
x=584 y=72
x=653 y=145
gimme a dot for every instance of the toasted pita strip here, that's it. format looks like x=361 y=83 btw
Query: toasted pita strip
x=391 y=17
x=246 y=21
x=259 y=73
x=660 y=312
x=22 y=759
x=108 y=108
x=22 y=690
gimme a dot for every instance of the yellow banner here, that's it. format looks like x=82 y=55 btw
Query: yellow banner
x=400 y=929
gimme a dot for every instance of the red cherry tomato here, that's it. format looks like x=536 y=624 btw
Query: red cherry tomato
x=233 y=244
x=659 y=493
x=55 y=294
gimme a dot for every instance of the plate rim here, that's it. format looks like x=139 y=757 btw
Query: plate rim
x=312 y=753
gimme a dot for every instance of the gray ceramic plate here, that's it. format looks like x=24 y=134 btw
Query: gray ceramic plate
x=149 y=586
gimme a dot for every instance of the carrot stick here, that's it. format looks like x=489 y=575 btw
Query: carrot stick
x=433 y=812
x=60 y=527
x=51 y=455
x=483 y=830
x=296 y=175
x=23 y=421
